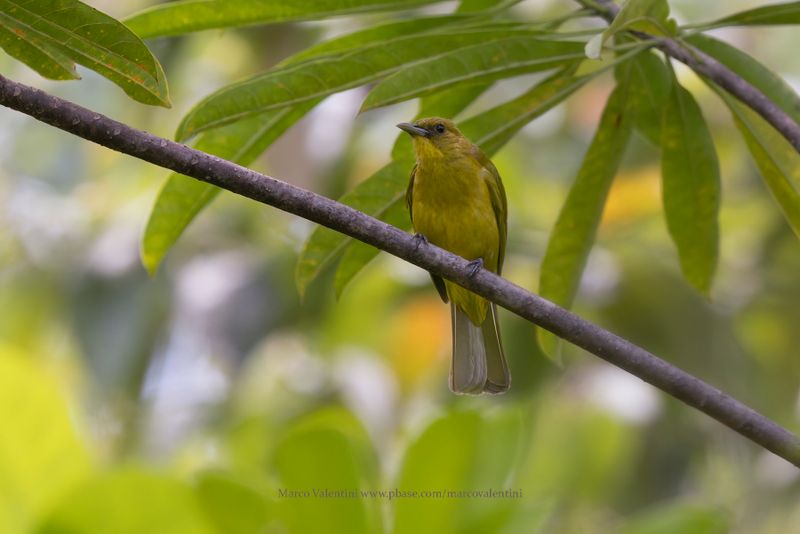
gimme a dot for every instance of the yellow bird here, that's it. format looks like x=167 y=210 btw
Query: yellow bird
x=457 y=202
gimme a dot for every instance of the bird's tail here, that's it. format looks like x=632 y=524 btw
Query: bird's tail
x=478 y=362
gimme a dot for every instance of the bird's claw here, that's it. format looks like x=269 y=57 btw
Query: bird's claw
x=420 y=239
x=474 y=266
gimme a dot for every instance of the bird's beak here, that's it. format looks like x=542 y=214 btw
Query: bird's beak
x=414 y=131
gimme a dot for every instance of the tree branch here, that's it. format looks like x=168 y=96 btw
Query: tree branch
x=620 y=352
x=707 y=66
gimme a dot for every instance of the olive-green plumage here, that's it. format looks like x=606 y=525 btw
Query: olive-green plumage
x=457 y=202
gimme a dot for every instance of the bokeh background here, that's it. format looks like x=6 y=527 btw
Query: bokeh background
x=191 y=401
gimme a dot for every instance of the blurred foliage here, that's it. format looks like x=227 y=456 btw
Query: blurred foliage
x=211 y=398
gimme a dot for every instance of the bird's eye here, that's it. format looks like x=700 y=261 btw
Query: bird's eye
x=439 y=128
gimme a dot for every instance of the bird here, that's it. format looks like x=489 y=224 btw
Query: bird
x=457 y=202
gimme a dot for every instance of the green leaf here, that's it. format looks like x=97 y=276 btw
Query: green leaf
x=358 y=254
x=776 y=158
x=49 y=35
x=774 y=14
x=403 y=28
x=466 y=6
x=232 y=507
x=650 y=85
x=480 y=63
x=532 y=517
x=490 y=130
x=128 y=501
x=179 y=201
x=576 y=227
x=181 y=198
x=464 y=451
x=41 y=453
x=680 y=517
x=493 y=128
x=184 y=16
x=35 y=50
x=769 y=83
x=327 y=450
x=594 y=444
x=690 y=187
x=373 y=196
x=376 y=34
x=292 y=84
x=642 y=15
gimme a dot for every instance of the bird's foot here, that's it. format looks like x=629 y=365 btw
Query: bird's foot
x=474 y=266
x=420 y=240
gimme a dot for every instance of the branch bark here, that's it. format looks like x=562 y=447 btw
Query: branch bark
x=707 y=66
x=227 y=175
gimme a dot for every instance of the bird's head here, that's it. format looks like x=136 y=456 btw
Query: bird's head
x=433 y=136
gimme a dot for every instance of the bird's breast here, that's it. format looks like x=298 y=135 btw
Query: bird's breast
x=452 y=207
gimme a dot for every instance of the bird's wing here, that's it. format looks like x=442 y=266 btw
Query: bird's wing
x=410 y=192
x=497 y=194
x=437 y=281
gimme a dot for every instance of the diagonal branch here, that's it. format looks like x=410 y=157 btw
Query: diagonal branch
x=707 y=66
x=614 y=349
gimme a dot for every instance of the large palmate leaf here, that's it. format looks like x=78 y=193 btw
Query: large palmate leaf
x=181 y=198
x=643 y=15
x=51 y=35
x=576 y=227
x=774 y=14
x=480 y=63
x=184 y=16
x=776 y=158
x=322 y=76
x=691 y=188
